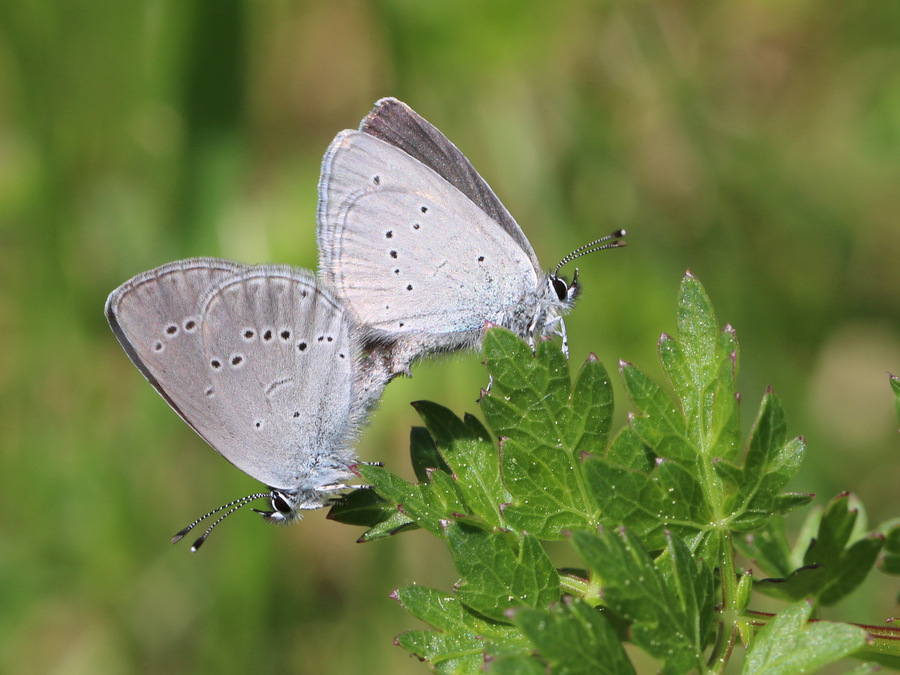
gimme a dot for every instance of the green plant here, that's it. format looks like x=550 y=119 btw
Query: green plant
x=657 y=515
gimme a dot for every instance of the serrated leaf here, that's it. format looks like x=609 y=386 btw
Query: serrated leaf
x=789 y=645
x=445 y=612
x=767 y=549
x=846 y=566
x=361 y=507
x=470 y=453
x=495 y=577
x=446 y=490
x=574 y=638
x=546 y=426
x=660 y=424
x=770 y=461
x=630 y=452
x=474 y=459
x=692 y=584
x=424 y=454
x=668 y=498
x=895 y=387
x=446 y=654
x=890 y=560
x=548 y=491
x=833 y=564
x=635 y=590
x=365 y=507
x=592 y=405
x=399 y=522
x=462 y=639
x=697 y=329
x=416 y=501
x=702 y=367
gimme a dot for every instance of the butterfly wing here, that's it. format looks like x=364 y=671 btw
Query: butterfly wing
x=407 y=250
x=156 y=318
x=396 y=123
x=221 y=342
x=280 y=359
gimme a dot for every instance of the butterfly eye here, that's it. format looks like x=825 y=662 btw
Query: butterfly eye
x=280 y=504
x=560 y=287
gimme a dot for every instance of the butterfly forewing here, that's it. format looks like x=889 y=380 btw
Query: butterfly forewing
x=406 y=249
x=399 y=125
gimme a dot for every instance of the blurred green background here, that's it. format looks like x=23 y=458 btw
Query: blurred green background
x=757 y=144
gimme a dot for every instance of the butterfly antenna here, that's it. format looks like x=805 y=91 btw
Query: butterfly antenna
x=614 y=239
x=232 y=506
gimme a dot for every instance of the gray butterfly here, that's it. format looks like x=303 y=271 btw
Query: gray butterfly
x=420 y=248
x=264 y=363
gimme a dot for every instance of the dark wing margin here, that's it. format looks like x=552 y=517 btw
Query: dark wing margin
x=396 y=123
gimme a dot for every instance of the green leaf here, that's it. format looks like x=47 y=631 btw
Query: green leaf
x=447 y=654
x=592 y=407
x=361 y=507
x=462 y=637
x=545 y=425
x=770 y=462
x=424 y=454
x=628 y=451
x=419 y=503
x=668 y=498
x=399 y=522
x=834 y=563
x=660 y=424
x=446 y=613
x=846 y=565
x=472 y=456
x=767 y=549
x=890 y=560
x=365 y=507
x=702 y=367
x=496 y=577
x=574 y=638
x=789 y=645
x=665 y=620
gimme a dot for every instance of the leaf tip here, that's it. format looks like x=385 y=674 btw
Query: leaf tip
x=591 y=358
x=395 y=595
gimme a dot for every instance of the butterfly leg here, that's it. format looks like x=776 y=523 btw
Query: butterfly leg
x=565 y=338
x=532 y=327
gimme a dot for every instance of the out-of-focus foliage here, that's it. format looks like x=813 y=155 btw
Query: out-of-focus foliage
x=756 y=143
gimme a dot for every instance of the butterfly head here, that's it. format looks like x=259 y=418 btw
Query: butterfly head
x=565 y=292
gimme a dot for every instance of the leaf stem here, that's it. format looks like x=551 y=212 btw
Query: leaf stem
x=729 y=611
